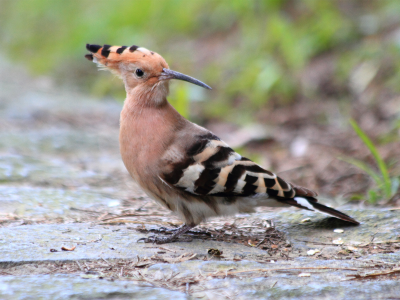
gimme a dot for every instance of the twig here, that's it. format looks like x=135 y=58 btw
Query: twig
x=102 y=216
x=159 y=247
x=283 y=269
x=262 y=241
x=140 y=208
x=84 y=210
x=319 y=243
x=164 y=248
x=357 y=276
x=138 y=222
x=133 y=215
x=80 y=267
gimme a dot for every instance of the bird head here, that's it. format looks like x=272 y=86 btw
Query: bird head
x=143 y=71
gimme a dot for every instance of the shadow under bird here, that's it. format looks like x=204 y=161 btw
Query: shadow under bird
x=181 y=165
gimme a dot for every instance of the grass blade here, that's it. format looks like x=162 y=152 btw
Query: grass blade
x=367 y=169
x=381 y=164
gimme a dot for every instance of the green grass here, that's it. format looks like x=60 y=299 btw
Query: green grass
x=385 y=185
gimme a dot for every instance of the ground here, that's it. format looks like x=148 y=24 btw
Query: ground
x=70 y=219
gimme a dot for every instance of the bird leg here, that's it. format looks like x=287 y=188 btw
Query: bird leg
x=163 y=240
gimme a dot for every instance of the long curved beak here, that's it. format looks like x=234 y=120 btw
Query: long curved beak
x=169 y=74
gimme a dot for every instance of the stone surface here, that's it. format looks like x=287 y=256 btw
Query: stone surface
x=62 y=179
x=62 y=287
x=33 y=243
x=281 y=284
x=39 y=203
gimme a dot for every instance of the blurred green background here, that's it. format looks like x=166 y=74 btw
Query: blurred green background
x=253 y=53
x=259 y=57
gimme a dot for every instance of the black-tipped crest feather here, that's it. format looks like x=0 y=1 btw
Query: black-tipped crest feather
x=93 y=48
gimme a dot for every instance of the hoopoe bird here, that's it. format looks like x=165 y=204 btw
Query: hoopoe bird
x=181 y=165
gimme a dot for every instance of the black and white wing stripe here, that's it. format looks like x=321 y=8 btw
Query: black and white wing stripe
x=211 y=168
x=214 y=169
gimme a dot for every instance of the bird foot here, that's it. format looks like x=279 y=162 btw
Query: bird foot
x=163 y=240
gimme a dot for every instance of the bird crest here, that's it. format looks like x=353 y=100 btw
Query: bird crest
x=118 y=58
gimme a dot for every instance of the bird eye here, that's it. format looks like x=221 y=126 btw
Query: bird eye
x=139 y=72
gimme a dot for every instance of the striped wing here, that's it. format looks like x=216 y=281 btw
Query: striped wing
x=214 y=169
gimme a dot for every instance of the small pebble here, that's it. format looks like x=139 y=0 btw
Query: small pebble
x=304 y=275
x=312 y=251
x=338 y=230
x=305 y=220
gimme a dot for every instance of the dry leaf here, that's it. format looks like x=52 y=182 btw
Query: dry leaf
x=250 y=243
x=68 y=249
x=351 y=248
x=338 y=241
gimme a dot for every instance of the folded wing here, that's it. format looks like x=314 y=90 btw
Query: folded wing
x=212 y=168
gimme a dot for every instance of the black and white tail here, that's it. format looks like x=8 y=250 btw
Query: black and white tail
x=311 y=203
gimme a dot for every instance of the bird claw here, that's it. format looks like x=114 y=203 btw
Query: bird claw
x=157 y=239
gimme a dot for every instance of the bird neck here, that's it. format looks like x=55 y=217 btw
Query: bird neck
x=150 y=118
x=147 y=94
